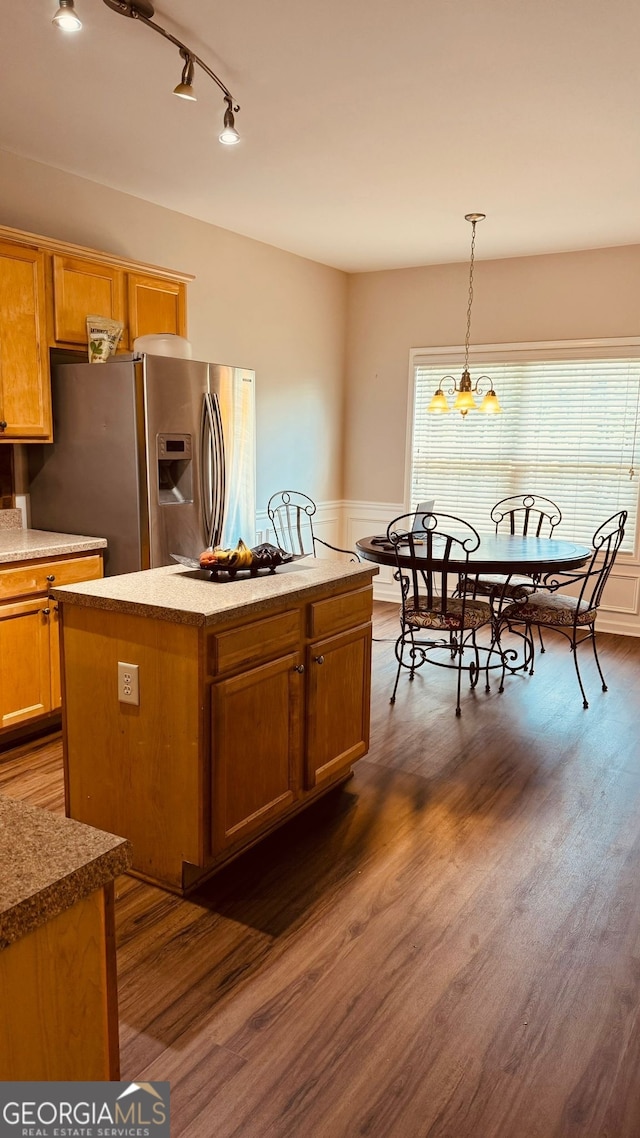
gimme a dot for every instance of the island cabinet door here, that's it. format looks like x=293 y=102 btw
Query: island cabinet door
x=338 y=703
x=256 y=744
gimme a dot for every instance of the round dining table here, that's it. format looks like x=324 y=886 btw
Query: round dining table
x=506 y=554
x=542 y=559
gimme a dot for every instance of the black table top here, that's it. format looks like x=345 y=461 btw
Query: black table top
x=500 y=553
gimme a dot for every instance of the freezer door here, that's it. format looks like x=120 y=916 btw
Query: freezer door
x=174 y=391
x=234 y=389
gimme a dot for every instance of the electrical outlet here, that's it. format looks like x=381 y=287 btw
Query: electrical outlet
x=128 y=684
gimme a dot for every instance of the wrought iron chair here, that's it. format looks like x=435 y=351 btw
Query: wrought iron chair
x=526 y=514
x=291 y=515
x=431 y=558
x=574 y=616
x=530 y=515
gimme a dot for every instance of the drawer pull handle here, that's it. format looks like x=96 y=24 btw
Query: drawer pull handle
x=298 y=668
x=45 y=612
x=51 y=577
x=3 y=424
x=319 y=659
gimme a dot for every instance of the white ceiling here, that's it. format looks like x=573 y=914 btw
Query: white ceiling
x=368 y=128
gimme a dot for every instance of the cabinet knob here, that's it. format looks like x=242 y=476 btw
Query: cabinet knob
x=298 y=668
x=3 y=424
x=319 y=659
x=45 y=612
x=51 y=577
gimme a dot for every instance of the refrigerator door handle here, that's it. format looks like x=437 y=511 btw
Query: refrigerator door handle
x=205 y=471
x=212 y=470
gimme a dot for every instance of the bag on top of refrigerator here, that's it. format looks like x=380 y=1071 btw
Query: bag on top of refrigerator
x=103 y=337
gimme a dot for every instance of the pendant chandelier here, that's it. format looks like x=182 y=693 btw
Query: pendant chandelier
x=464 y=390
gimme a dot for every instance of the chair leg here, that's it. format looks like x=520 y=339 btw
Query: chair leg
x=399 y=654
x=458 y=711
x=532 y=646
x=574 y=649
x=542 y=647
x=595 y=653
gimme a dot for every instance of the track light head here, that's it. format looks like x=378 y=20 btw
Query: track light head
x=185 y=90
x=229 y=135
x=66 y=17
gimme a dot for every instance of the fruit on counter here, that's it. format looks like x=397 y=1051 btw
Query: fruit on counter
x=263 y=556
x=239 y=558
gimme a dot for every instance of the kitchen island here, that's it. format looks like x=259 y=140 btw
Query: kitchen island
x=57 y=949
x=201 y=714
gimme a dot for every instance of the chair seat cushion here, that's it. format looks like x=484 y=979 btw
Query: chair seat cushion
x=496 y=585
x=553 y=608
x=476 y=613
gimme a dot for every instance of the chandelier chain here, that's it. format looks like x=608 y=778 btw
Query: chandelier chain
x=470 y=302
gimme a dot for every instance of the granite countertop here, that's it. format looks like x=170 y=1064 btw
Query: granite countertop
x=29 y=544
x=189 y=596
x=47 y=864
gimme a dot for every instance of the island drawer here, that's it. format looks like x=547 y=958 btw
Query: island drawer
x=40 y=576
x=252 y=643
x=338 y=613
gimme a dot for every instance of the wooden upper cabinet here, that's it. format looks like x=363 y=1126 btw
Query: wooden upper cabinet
x=25 y=398
x=155 y=305
x=84 y=288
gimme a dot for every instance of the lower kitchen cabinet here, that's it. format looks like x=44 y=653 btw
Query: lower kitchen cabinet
x=241 y=722
x=256 y=770
x=58 y=984
x=25 y=662
x=29 y=636
x=338 y=703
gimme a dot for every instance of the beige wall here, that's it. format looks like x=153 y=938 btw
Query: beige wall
x=559 y=297
x=250 y=304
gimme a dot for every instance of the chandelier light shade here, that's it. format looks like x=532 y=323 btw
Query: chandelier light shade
x=464 y=390
x=143 y=11
x=66 y=17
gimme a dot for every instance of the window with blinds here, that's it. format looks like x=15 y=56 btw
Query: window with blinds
x=569 y=432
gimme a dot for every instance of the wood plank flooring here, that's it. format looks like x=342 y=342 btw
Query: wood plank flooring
x=449 y=947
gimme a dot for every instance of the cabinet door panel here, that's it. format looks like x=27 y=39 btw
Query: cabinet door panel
x=25 y=400
x=80 y=289
x=256 y=736
x=25 y=684
x=155 y=305
x=339 y=684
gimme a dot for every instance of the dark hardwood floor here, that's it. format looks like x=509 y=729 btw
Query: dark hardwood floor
x=449 y=947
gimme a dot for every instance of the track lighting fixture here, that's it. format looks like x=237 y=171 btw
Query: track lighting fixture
x=143 y=11
x=66 y=18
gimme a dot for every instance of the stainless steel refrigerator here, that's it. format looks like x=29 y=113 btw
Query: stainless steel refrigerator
x=155 y=454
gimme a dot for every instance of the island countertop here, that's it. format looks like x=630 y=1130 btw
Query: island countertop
x=47 y=864
x=31 y=544
x=189 y=596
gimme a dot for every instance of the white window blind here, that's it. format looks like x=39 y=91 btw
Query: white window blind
x=567 y=433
